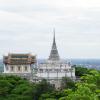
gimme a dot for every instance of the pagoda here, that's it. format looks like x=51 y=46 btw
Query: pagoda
x=54 y=55
x=54 y=68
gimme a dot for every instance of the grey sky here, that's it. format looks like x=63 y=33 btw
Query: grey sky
x=27 y=26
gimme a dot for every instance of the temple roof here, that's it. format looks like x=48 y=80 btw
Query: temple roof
x=19 y=59
x=54 y=55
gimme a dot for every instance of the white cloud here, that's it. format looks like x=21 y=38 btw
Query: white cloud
x=26 y=26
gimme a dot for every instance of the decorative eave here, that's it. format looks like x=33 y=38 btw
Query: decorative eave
x=19 y=59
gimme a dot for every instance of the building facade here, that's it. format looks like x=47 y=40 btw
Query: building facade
x=19 y=64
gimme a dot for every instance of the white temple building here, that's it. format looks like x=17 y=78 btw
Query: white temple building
x=54 y=68
x=19 y=64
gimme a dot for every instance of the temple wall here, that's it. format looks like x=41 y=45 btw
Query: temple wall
x=8 y=69
x=56 y=74
x=62 y=66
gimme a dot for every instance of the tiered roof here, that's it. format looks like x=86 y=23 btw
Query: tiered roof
x=19 y=59
x=54 y=56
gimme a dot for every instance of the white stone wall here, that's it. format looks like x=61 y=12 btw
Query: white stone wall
x=55 y=70
x=8 y=69
x=55 y=74
x=54 y=65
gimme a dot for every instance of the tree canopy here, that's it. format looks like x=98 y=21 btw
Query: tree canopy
x=16 y=88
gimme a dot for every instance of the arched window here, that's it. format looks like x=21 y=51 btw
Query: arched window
x=12 y=68
x=19 y=68
x=25 y=68
x=7 y=67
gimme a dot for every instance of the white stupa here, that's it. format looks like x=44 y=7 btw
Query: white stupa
x=54 y=68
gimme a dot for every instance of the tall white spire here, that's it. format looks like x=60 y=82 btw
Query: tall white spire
x=54 y=52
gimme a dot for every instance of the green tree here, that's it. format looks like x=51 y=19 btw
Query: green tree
x=15 y=88
x=67 y=83
x=80 y=71
x=42 y=88
x=5 y=87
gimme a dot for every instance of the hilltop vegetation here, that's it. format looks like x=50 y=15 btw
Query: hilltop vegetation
x=16 y=88
x=1 y=66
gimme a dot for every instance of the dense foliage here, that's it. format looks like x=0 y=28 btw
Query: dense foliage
x=88 y=88
x=80 y=71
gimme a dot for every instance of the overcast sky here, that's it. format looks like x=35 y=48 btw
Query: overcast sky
x=27 y=26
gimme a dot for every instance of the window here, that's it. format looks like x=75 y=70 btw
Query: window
x=60 y=65
x=50 y=70
x=19 y=68
x=65 y=70
x=41 y=70
x=12 y=68
x=25 y=68
x=56 y=70
x=6 y=67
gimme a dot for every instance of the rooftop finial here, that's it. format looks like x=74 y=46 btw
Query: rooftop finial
x=54 y=31
x=54 y=35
